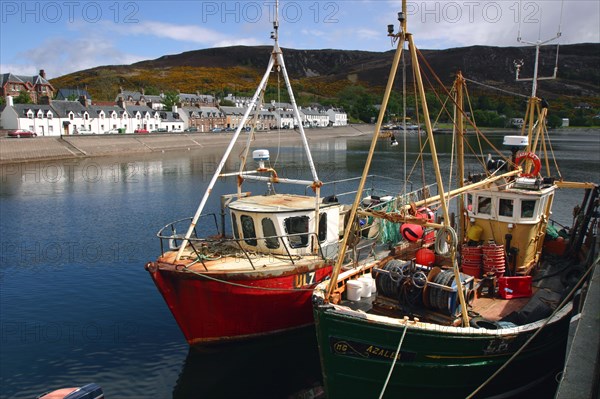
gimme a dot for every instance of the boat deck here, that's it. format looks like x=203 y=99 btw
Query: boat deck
x=236 y=262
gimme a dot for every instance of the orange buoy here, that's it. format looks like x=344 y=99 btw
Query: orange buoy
x=426 y=213
x=411 y=232
x=425 y=257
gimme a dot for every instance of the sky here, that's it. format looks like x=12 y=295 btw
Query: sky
x=66 y=36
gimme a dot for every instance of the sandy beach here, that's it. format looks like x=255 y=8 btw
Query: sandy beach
x=14 y=150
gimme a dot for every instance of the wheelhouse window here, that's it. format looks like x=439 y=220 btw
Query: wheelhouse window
x=297 y=229
x=528 y=208
x=484 y=205
x=506 y=207
x=470 y=202
x=322 y=227
x=269 y=232
x=248 y=230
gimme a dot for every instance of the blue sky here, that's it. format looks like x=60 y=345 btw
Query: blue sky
x=66 y=36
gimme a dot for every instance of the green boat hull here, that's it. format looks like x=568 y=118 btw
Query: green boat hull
x=444 y=362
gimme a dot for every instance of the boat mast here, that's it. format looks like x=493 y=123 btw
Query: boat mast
x=534 y=102
x=460 y=148
x=438 y=177
x=400 y=38
x=276 y=59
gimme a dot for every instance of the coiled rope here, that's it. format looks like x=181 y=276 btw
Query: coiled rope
x=442 y=245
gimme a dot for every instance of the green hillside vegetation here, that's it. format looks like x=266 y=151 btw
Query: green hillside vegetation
x=355 y=81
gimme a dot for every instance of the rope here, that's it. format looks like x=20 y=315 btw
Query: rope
x=496 y=88
x=442 y=247
x=246 y=286
x=395 y=358
x=522 y=348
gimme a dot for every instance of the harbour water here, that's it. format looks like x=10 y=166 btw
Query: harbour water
x=77 y=306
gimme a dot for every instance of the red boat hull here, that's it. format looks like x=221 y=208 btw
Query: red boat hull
x=229 y=307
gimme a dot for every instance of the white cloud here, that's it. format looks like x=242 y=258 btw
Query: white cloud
x=59 y=56
x=184 y=33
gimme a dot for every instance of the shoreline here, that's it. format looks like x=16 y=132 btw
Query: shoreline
x=15 y=151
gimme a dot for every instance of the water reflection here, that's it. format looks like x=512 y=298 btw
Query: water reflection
x=283 y=366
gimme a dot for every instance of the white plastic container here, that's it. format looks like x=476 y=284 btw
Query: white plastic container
x=354 y=290
x=366 y=286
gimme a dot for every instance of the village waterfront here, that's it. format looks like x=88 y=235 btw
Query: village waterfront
x=77 y=306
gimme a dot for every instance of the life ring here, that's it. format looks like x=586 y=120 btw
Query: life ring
x=537 y=164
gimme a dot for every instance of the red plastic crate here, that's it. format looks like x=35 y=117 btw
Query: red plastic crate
x=515 y=287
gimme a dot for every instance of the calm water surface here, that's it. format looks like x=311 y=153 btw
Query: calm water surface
x=77 y=306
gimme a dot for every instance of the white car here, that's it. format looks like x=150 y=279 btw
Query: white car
x=83 y=130
x=112 y=131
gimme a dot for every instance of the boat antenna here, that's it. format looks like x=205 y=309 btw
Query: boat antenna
x=538 y=43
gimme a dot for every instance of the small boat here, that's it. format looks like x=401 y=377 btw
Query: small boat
x=256 y=277
x=484 y=312
x=88 y=391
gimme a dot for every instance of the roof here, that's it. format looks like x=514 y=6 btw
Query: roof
x=21 y=109
x=64 y=94
x=34 y=79
x=233 y=110
x=63 y=107
x=108 y=109
x=276 y=203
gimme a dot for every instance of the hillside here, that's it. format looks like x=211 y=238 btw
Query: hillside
x=323 y=73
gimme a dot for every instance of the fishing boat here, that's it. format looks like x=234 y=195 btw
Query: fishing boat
x=483 y=310
x=249 y=270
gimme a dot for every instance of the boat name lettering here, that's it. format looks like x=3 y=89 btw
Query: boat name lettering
x=344 y=347
x=301 y=280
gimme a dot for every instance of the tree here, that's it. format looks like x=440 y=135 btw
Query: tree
x=171 y=98
x=23 y=98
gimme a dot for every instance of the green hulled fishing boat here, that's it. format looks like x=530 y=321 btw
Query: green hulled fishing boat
x=474 y=307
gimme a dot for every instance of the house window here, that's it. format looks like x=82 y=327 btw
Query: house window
x=269 y=232
x=248 y=230
x=50 y=116
x=322 y=227
x=506 y=207
x=40 y=115
x=71 y=117
x=50 y=129
x=484 y=205
x=297 y=228
x=30 y=115
x=528 y=208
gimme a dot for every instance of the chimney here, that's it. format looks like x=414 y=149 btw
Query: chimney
x=142 y=90
x=43 y=73
x=83 y=100
x=121 y=102
x=174 y=109
x=45 y=100
x=9 y=101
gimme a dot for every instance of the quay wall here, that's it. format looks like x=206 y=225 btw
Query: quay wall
x=13 y=150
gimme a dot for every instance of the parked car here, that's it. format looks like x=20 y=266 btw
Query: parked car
x=229 y=129
x=216 y=130
x=160 y=130
x=83 y=130
x=176 y=131
x=112 y=131
x=191 y=129
x=21 y=133
x=141 y=131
